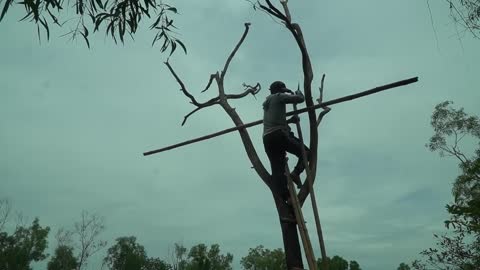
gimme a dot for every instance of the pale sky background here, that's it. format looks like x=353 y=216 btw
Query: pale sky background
x=74 y=124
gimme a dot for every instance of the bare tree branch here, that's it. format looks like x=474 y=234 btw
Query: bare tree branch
x=88 y=229
x=248 y=90
x=320 y=99
x=197 y=109
x=272 y=12
x=287 y=11
x=467 y=24
x=212 y=76
x=254 y=5
x=5 y=209
x=322 y=114
x=232 y=54
x=64 y=237
x=182 y=86
x=326 y=109
x=276 y=10
x=296 y=31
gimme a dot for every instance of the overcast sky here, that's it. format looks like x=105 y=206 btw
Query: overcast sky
x=74 y=124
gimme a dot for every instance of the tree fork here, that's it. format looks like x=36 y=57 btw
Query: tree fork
x=303 y=110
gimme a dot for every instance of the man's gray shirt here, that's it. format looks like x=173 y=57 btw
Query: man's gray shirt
x=274 y=111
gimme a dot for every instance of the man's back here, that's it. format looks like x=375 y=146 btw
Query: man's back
x=274 y=111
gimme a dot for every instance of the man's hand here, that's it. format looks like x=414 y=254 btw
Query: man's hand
x=299 y=93
x=293 y=119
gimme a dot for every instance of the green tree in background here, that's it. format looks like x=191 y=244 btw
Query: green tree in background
x=335 y=263
x=354 y=265
x=126 y=253
x=339 y=263
x=200 y=257
x=63 y=259
x=179 y=257
x=260 y=258
x=460 y=247
x=156 y=264
x=24 y=246
x=403 y=266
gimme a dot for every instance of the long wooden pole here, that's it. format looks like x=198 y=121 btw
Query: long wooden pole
x=302 y=227
x=312 y=195
x=318 y=106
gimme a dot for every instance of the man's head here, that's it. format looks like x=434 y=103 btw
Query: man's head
x=278 y=87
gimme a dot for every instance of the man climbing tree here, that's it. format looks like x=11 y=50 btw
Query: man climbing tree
x=278 y=140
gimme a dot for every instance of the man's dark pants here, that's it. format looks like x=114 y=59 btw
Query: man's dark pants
x=277 y=144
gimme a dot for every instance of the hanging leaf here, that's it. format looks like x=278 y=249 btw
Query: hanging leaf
x=156 y=22
x=86 y=39
x=165 y=44
x=45 y=25
x=85 y=31
x=173 y=9
x=26 y=16
x=182 y=45
x=173 y=48
x=5 y=8
x=38 y=32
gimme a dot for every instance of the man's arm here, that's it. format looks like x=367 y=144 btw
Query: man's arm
x=295 y=98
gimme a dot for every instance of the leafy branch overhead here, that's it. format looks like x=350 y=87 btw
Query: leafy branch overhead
x=118 y=17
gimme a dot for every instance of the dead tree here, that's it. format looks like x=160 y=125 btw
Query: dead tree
x=83 y=237
x=289 y=230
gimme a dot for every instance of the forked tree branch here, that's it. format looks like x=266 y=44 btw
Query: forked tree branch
x=320 y=100
x=182 y=86
x=248 y=90
x=222 y=97
x=216 y=101
x=222 y=100
x=272 y=12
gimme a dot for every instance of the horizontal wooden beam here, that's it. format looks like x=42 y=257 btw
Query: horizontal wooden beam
x=318 y=106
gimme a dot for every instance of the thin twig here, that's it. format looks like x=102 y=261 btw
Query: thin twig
x=433 y=25
x=274 y=19
x=272 y=12
x=320 y=100
x=467 y=25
